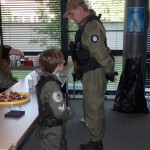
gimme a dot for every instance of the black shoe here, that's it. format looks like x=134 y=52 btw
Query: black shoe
x=92 y=146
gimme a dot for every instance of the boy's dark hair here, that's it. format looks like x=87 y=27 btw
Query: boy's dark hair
x=50 y=59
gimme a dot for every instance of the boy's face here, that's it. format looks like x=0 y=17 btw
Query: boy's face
x=62 y=65
x=59 y=67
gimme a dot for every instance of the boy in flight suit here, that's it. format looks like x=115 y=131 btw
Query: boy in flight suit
x=52 y=106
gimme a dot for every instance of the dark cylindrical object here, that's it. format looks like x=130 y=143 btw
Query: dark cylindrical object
x=135 y=31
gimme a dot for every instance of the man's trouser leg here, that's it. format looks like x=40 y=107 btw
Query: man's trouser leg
x=94 y=88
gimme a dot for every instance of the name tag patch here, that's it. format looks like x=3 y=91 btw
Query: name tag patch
x=61 y=107
x=94 y=38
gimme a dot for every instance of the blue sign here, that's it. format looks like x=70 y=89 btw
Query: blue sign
x=135 y=20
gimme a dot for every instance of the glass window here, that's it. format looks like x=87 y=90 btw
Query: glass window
x=31 y=25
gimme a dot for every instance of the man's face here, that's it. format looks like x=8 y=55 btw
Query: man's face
x=76 y=15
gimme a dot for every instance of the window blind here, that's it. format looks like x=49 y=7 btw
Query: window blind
x=147 y=71
x=31 y=25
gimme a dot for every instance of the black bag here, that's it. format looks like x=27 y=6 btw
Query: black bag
x=130 y=96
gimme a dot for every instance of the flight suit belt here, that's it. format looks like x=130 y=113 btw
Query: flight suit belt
x=90 y=65
x=51 y=123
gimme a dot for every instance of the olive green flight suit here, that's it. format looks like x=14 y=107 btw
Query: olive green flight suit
x=54 y=138
x=94 y=81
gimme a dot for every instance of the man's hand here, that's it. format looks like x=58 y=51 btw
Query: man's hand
x=112 y=76
x=75 y=76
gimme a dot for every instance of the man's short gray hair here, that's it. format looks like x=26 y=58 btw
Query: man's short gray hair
x=84 y=6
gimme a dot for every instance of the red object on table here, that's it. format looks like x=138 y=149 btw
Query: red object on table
x=28 y=63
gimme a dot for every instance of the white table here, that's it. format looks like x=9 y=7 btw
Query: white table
x=6 y=146
x=12 y=130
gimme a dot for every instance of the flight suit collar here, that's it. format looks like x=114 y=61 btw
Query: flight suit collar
x=81 y=24
x=49 y=74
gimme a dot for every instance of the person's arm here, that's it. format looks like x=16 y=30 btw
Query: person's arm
x=14 y=51
x=8 y=50
x=56 y=101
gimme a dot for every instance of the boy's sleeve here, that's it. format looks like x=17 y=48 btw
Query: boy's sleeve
x=57 y=102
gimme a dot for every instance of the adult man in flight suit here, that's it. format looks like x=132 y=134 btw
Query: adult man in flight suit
x=94 y=67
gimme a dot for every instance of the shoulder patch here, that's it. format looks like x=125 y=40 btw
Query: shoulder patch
x=94 y=38
x=57 y=96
